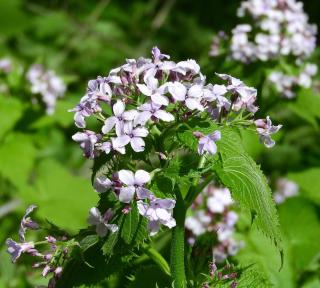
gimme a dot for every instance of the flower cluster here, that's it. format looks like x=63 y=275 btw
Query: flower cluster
x=282 y=29
x=129 y=186
x=53 y=256
x=145 y=92
x=212 y=212
x=286 y=84
x=47 y=84
x=285 y=189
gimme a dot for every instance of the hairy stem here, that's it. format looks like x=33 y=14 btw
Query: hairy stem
x=177 y=245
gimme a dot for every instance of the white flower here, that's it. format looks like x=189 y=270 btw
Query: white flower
x=134 y=185
x=159 y=211
x=119 y=118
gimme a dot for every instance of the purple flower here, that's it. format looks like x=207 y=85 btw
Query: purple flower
x=119 y=118
x=159 y=211
x=27 y=223
x=153 y=111
x=157 y=55
x=102 y=184
x=188 y=66
x=207 y=143
x=100 y=89
x=88 y=105
x=133 y=136
x=265 y=129
x=134 y=184
x=87 y=141
x=101 y=221
x=152 y=89
x=16 y=249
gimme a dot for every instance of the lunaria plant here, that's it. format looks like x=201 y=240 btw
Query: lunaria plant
x=158 y=134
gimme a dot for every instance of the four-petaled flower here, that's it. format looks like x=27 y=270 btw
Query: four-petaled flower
x=265 y=129
x=134 y=185
x=207 y=143
x=159 y=211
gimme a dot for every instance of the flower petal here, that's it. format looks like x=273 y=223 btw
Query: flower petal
x=126 y=177
x=178 y=91
x=108 y=124
x=164 y=115
x=126 y=194
x=137 y=144
x=141 y=177
x=118 y=108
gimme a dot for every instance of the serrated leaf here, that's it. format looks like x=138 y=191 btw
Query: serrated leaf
x=248 y=185
x=130 y=224
x=251 y=277
x=110 y=243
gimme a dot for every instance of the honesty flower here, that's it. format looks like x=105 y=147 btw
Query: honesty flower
x=265 y=129
x=87 y=141
x=16 y=249
x=101 y=221
x=100 y=89
x=152 y=89
x=119 y=118
x=158 y=211
x=134 y=185
x=207 y=143
x=27 y=223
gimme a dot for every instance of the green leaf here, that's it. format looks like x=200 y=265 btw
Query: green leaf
x=130 y=224
x=110 y=243
x=306 y=106
x=11 y=110
x=248 y=185
x=62 y=198
x=17 y=154
x=251 y=277
x=309 y=183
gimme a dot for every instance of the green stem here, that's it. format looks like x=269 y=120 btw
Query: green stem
x=177 y=245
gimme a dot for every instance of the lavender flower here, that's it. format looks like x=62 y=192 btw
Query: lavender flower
x=87 y=141
x=101 y=221
x=265 y=129
x=159 y=211
x=207 y=143
x=134 y=185
x=285 y=189
x=154 y=111
x=27 y=223
x=102 y=184
x=16 y=249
